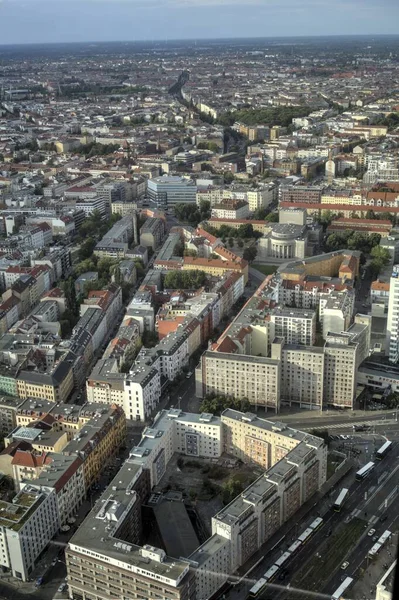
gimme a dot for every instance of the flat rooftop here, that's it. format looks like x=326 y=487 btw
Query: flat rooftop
x=177 y=532
x=96 y=533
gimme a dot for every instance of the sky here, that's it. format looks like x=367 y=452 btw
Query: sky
x=47 y=21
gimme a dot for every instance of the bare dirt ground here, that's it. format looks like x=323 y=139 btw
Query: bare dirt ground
x=203 y=481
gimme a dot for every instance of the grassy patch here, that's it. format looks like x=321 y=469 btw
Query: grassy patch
x=265 y=269
x=315 y=573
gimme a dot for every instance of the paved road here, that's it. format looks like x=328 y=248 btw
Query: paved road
x=366 y=502
x=368 y=496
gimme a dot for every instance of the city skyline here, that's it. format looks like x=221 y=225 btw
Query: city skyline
x=42 y=21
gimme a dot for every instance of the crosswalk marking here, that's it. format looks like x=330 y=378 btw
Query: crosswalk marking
x=348 y=425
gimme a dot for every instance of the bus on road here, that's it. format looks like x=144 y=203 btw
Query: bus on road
x=341 y=499
x=337 y=595
x=364 y=471
x=374 y=550
x=383 y=451
x=257 y=588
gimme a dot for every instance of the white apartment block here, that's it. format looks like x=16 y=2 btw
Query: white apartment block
x=343 y=354
x=26 y=527
x=142 y=391
x=302 y=374
x=392 y=339
x=261 y=198
x=256 y=514
x=336 y=311
x=64 y=474
x=240 y=376
x=221 y=211
x=211 y=195
x=89 y=206
x=137 y=393
x=174 y=431
x=212 y=566
x=295 y=325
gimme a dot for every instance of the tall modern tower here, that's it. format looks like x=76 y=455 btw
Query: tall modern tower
x=392 y=345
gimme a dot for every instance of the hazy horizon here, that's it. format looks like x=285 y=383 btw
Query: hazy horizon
x=95 y=21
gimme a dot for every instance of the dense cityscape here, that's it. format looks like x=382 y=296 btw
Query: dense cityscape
x=199 y=319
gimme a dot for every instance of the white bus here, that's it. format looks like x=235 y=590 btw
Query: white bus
x=283 y=559
x=304 y=537
x=342 y=588
x=316 y=524
x=341 y=499
x=364 y=471
x=379 y=543
x=294 y=546
x=381 y=452
x=257 y=588
x=270 y=574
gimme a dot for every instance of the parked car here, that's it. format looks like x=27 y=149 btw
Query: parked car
x=344 y=565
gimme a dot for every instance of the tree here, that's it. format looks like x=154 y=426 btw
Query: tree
x=250 y=253
x=245 y=231
x=89 y=264
x=380 y=258
x=190 y=252
x=272 y=217
x=240 y=243
x=231 y=489
x=228 y=177
x=231 y=242
x=191 y=279
x=117 y=275
x=86 y=248
x=72 y=304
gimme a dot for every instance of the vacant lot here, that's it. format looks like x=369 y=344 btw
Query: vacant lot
x=207 y=484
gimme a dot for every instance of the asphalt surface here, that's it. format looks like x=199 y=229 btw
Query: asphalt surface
x=368 y=500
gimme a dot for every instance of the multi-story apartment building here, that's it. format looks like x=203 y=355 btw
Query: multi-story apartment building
x=98 y=441
x=296 y=467
x=295 y=325
x=256 y=378
x=230 y=209
x=138 y=392
x=302 y=374
x=8 y=414
x=55 y=385
x=106 y=544
x=392 y=339
x=343 y=354
x=175 y=431
x=152 y=233
x=213 y=195
x=64 y=474
x=27 y=524
x=336 y=311
x=300 y=193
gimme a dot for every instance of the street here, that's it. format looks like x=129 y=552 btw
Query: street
x=316 y=566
